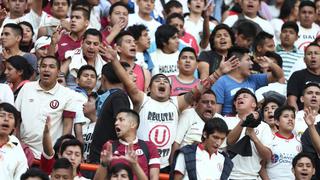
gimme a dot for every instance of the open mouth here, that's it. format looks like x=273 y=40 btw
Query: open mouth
x=314 y=101
x=6 y=126
x=117 y=129
x=133 y=50
x=162 y=89
x=46 y=75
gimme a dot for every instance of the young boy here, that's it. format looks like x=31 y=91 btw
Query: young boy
x=303 y=166
x=285 y=145
x=62 y=169
x=13 y=162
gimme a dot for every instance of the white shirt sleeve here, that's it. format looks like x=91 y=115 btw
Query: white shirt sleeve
x=6 y=94
x=180 y=164
x=183 y=126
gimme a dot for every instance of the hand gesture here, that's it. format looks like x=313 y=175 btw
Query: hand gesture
x=264 y=62
x=108 y=53
x=3 y=13
x=56 y=36
x=208 y=10
x=106 y=154
x=309 y=116
x=228 y=65
x=251 y=133
x=118 y=26
x=89 y=108
x=5 y=54
x=131 y=155
x=65 y=24
x=47 y=125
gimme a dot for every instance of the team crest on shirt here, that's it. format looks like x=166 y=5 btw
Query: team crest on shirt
x=299 y=148
x=139 y=152
x=54 y=104
x=275 y=158
x=159 y=135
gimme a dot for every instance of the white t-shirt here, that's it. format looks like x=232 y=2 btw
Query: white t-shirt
x=152 y=25
x=87 y=132
x=190 y=127
x=301 y=125
x=265 y=25
x=249 y=167
x=208 y=167
x=283 y=152
x=276 y=24
x=159 y=121
x=165 y=63
x=306 y=36
x=277 y=87
x=6 y=94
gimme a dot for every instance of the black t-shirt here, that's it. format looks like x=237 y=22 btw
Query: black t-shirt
x=212 y=58
x=296 y=84
x=105 y=129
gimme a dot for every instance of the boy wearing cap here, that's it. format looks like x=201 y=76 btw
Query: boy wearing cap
x=289 y=53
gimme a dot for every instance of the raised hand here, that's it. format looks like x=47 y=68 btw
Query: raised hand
x=106 y=154
x=228 y=65
x=65 y=24
x=118 y=26
x=309 y=116
x=264 y=62
x=3 y=13
x=56 y=36
x=131 y=155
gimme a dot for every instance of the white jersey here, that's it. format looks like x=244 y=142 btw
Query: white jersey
x=165 y=63
x=306 y=36
x=87 y=131
x=159 y=121
x=301 y=125
x=283 y=152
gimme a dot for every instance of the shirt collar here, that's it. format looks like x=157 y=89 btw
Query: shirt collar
x=279 y=48
x=201 y=147
x=282 y=137
x=51 y=91
x=12 y=142
x=126 y=143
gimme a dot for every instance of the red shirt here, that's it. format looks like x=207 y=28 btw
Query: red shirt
x=66 y=43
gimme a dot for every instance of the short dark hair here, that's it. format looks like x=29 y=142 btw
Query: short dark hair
x=109 y=73
x=163 y=34
x=209 y=91
x=238 y=93
x=26 y=24
x=62 y=163
x=120 y=3
x=85 y=12
x=11 y=109
x=52 y=1
x=84 y=68
x=237 y=51
x=71 y=142
x=154 y=77
x=275 y=56
x=21 y=64
x=281 y=109
x=214 y=125
x=310 y=84
x=302 y=155
x=51 y=57
x=260 y=38
x=16 y=29
x=133 y=114
x=174 y=15
x=290 y=25
x=247 y=29
x=286 y=8
x=136 y=30
x=119 y=37
x=216 y=29
x=173 y=3
x=93 y=32
x=34 y=172
x=307 y=3
x=60 y=140
x=82 y=4
x=311 y=44
x=118 y=167
x=187 y=49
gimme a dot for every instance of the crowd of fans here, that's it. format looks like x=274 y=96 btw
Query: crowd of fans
x=197 y=89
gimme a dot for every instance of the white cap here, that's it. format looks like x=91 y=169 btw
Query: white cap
x=40 y=42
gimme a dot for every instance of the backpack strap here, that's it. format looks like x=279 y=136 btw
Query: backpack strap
x=144 y=147
x=227 y=166
x=115 y=145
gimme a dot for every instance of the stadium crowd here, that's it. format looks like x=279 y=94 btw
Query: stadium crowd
x=196 y=89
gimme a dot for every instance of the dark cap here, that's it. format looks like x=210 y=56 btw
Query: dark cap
x=159 y=75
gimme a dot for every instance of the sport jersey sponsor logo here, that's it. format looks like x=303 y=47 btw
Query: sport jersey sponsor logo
x=282 y=158
x=64 y=44
x=159 y=135
x=154 y=116
x=54 y=104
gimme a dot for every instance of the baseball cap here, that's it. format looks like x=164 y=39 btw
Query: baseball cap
x=41 y=42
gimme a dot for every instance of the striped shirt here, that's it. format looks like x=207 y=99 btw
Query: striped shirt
x=289 y=58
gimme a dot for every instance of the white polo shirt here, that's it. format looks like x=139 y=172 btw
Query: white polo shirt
x=208 y=166
x=190 y=127
x=35 y=104
x=6 y=94
x=13 y=162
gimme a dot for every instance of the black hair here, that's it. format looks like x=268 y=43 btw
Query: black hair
x=214 y=125
x=26 y=24
x=247 y=29
x=281 y=109
x=62 y=163
x=238 y=93
x=307 y=3
x=71 y=142
x=286 y=8
x=311 y=44
x=136 y=30
x=117 y=168
x=173 y=3
x=275 y=56
x=174 y=15
x=108 y=72
x=260 y=39
x=119 y=37
x=237 y=51
x=163 y=34
x=120 y=3
x=60 y=140
x=302 y=155
x=290 y=25
x=310 y=84
x=189 y=1
x=34 y=172
x=208 y=91
x=51 y=57
x=84 y=68
x=93 y=32
x=7 y=107
x=51 y=2
x=214 y=32
x=131 y=113
x=16 y=29
x=154 y=77
x=83 y=9
x=21 y=64
x=187 y=49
